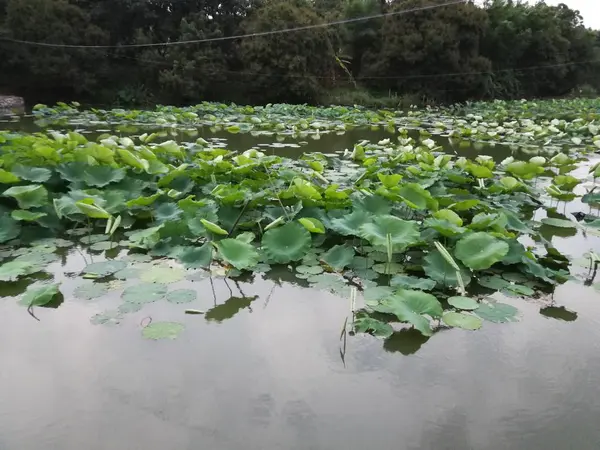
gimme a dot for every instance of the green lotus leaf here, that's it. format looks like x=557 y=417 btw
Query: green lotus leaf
x=482 y=221
x=162 y=275
x=349 y=225
x=107 y=318
x=417 y=197
x=13 y=270
x=181 y=296
x=196 y=257
x=8 y=177
x=102 y=246
x=312 y=225
x=461 y=320
x=65 y=206
x=88 y=207
x=9 y=228
x=372 y=205
x=410 y=306
x=93 y=238
x=144 y=293
x=309 y=270
x=494 y=282
x=524 y=170
x=104 y=268
x=91 y=290
x=128 y=308
x=34 y=174
x=144 y=201
x=40 y=295
x=465 y=205
x=147 y=238
x=497 y=312
x=213 y=227
x=162 y=330
x=366 y=324
x=239 y=254
x=72 y=171
x=26 y=216
x=100 y=176
x=448 y=215
x=387 y=268
x=167 y=212
x=247 y=237
x=438 y=269
x=30 y=196
x=519 y=289
x=464 y=303
x=444 y=227
x=408 y=282
x=338 y=257
x=559 y=223
x=480 y=251
x=389 y=181
x=287 y=243
x=128 y=273
x=402 y=233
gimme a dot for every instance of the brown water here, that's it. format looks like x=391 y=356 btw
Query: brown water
x=268 y=374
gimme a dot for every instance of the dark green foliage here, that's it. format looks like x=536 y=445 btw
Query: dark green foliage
x=499 y=50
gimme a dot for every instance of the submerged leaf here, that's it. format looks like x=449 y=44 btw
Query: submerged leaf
x=181 y=296
x=163 y=330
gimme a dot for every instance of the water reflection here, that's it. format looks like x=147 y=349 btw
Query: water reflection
x=559 y=313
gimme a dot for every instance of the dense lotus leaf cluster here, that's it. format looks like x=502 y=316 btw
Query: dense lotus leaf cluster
x=425 y=235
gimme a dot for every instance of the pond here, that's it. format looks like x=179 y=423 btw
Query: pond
x=254 y=360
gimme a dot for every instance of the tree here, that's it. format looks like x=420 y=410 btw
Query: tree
x=67 y=71
x=286 y=67
x=431 y=52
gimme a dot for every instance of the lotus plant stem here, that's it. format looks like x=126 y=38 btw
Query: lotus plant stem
x=239 y=217
x=276 y=191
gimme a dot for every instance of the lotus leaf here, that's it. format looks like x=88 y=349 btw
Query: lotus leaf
x=144 y=293
x=366 y=324
x=181 y=296
x=34 y=174
x=40 y=294
x=289 y=242
x=402 y=233
x=338 y=257
x=29 y=196
x=196 y=257
x=461 y=320
x=162 y=275
x=104 y=269
x=9 y=228
x=239 y=254
x=464 y=303
x=560 y=223
x=497 y=312
x=411 y=306
x=408 y=282
x=480 y=250
x=312 y=225
x=440 y=270
x=91 y=290
x=163 y=330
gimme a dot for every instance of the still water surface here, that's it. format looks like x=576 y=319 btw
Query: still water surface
x=267 y=374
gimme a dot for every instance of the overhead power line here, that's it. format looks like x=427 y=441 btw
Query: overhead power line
x=240 y=36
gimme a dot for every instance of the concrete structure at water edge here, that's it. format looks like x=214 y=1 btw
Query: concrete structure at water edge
x=10 y=103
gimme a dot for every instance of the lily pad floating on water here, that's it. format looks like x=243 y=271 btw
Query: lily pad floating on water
x=94 y=238
x=408 y=282
x=338 y=257
x=104 y=245
x=560 y=223
x=461 y=320
x=464 y=303
x=91 y=290
x=144 y=293
x=366 y=324
x=196 y=257
x=163 y=275
x=104 y=268
x=497 y=312
x=13 y=270
x=107 y=318
x=181 y=296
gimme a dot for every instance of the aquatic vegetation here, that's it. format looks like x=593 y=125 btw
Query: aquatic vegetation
x=425 y=236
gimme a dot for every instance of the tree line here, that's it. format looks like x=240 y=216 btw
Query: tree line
x=502 y=49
